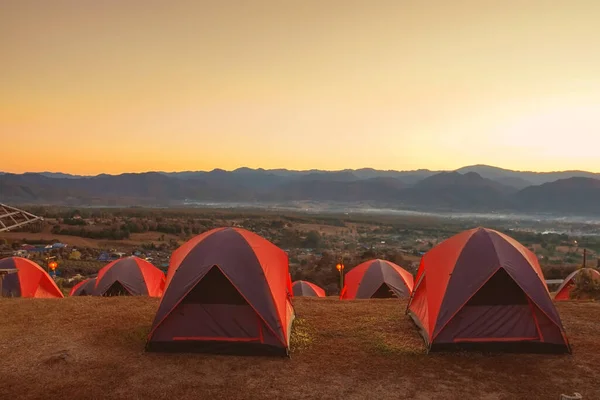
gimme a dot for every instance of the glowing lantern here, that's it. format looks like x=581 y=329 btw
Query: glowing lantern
x=52 y=265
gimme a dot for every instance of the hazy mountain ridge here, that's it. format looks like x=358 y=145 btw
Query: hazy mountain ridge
x=474 y=188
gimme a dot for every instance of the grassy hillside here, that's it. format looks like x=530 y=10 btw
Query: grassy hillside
x=351 y=350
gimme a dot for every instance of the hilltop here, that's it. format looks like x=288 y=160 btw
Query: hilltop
x=94 y=348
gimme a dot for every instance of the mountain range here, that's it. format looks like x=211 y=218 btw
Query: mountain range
x=472 y=188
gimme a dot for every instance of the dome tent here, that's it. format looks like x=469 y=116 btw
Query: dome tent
x=483 y=290
x=29 y=281
x=228 y=291
x=307 y=289
x=84 y=288
x=129 y=276
x=377 y=279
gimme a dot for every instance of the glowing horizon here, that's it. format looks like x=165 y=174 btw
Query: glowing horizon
x=116 y=87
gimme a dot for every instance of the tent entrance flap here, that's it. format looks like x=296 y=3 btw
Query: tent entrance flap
x=498 y=312
x=214 y=310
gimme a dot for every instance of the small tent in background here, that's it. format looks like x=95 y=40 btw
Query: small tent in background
x=304 y=288
x=377 y=279
x=29 y=281
x=228 y=291
x=130 y=276
x=84 y=288
x=564 y=290
x=483 y=290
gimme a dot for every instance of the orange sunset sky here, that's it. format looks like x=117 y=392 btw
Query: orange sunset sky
x=126 y=86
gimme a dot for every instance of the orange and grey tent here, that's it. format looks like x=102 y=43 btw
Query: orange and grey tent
x=564 y=290
x=84 y=288
x=377 y=279
x=483 y=290
x=130 y=276
x=304 y=288
x=228 y=291
x=30 y=280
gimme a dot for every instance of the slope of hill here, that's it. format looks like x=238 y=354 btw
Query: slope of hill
x=453 y=190
x=573 y=196
x=82 y=346
x=522 y=179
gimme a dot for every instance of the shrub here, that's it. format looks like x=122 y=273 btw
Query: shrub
x=586 y=286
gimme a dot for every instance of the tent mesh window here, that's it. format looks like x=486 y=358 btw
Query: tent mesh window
x=214 y=288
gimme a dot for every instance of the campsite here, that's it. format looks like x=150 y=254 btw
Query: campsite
x=272 y=199
x=475 y=320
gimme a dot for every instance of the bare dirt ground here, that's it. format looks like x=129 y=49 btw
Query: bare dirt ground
x=353 y=350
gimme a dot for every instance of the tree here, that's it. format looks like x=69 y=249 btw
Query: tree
x=312 y=241
x=587 y=286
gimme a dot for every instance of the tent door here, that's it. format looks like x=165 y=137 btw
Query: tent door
x=499 y=312
x=117 y=289
x=384 y=292
x=214 y=310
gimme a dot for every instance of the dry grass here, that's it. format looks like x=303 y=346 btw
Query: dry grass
x=351 y=350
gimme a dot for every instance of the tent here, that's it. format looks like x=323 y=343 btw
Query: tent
x=228 y=291
x=564 y=290
x=304 y=288
x=30 y=280
x=130 y=276
x=483 y=290
x=377 y=279
x=83 y=288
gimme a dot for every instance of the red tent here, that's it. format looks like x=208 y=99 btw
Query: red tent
x=304 y=288
x=130 y=276
x=377 y=279
x=30 y=280
x=228 y=291
x=482 y=289
x=83 y=288
x=564 y=290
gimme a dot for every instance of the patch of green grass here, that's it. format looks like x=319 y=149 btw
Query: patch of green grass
x=302 y=335
x=383 y=345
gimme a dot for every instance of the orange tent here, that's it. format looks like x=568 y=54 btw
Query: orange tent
x=484 y=290
x=377 y=279
x=228 y=291
x=564 y=290
x=304 y=288
x=83 y=288
x=30 y=280
x=130 y=276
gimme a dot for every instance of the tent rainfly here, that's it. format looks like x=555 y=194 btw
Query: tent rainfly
x=228 y=291
x=30 y=280
x=307 y=289
x=483 y=290
x=377 y=279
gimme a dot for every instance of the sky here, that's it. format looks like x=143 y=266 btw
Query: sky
x=115 y=86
